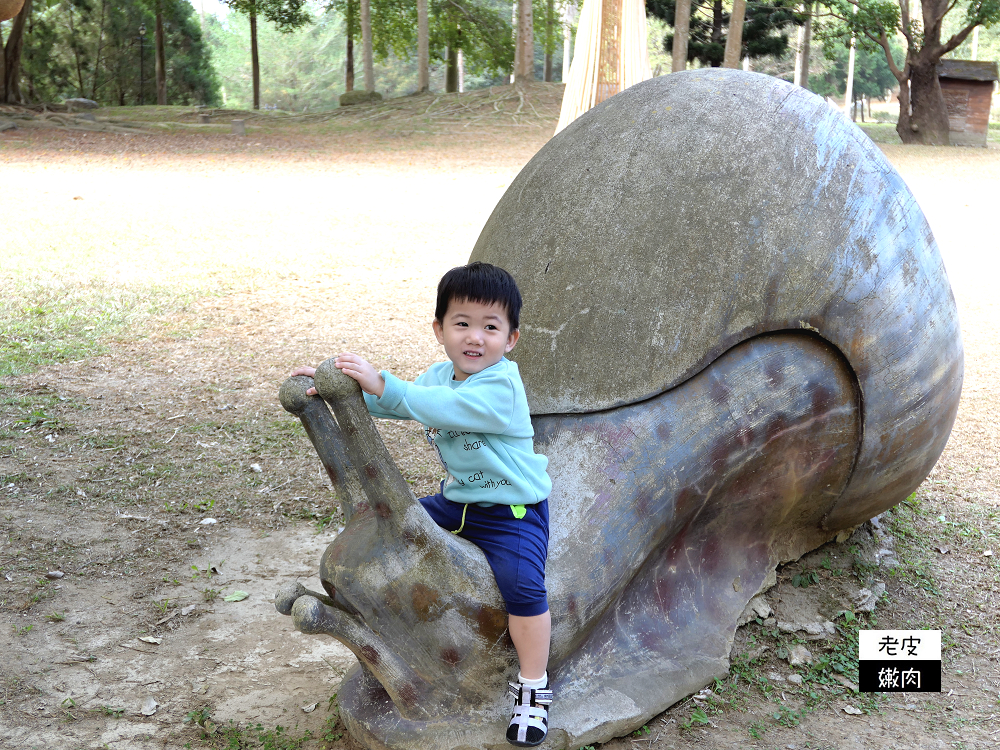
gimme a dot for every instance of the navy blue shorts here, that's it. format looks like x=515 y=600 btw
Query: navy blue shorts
x=515 y=548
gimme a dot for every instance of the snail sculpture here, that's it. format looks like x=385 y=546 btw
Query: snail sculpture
x=738 y=339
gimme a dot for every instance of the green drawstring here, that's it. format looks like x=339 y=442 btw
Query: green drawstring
x=463 y=519
x=519 y=512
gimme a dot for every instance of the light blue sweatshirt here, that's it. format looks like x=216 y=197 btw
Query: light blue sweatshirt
x=481 y=428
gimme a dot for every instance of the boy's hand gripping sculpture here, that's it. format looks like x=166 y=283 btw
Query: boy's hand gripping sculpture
x=739 y=339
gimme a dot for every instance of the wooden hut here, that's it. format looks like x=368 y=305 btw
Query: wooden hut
x=967 y=86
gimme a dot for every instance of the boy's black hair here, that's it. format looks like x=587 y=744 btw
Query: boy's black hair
x=483 y=283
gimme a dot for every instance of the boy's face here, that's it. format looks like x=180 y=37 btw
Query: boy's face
x=475 y=336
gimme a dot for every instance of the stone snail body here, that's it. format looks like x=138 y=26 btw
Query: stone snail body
x=738 y=340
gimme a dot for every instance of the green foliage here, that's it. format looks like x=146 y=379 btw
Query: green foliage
x=872 y=76
x=479 y=28
x=870 y=21
x=286 y=15
x=91 y=48
x=805 y=579
x=764 y=28
x=299 y=72
x=698 y=718
x=234 y=737
x=548 y=30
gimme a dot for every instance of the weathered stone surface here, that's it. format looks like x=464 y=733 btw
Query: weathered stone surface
x=80 y=103
x=7 y=125
x=699 y=209
x=239 y=127
x=359 y=97
x=738 y=340
x=799 y=655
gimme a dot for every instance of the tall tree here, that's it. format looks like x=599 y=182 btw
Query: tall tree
x=161 y=55
x=923 y=116
x=286 y=15
x=479 y=30
x=872 y=76
x=367 y=61
x=423 y=48
x=763 y=30
x=734 y=36
x=803 y=47
x=11 y=89
x=351 y=22
x=549 y=43
x=524 y=50
x=549 y=32
x=681 y=20
x=90 y=48
x=349 y=10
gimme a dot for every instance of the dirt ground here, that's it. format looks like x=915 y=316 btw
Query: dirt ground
x=143 y=486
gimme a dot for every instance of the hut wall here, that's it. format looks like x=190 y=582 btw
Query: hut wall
x=968 y=105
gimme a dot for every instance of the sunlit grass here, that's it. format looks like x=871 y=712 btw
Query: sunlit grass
x=61 y=321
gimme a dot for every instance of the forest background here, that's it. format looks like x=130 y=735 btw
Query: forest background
x=93 y=49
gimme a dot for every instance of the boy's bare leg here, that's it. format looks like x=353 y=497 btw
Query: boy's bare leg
x=531 y=636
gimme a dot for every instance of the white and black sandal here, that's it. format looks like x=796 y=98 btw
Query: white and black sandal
x=529 y=724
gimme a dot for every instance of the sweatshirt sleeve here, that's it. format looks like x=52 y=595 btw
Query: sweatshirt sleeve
x=372 y=402
x=487 y=407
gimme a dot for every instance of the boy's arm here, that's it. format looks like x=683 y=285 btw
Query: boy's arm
x=357 y=368
x=487 y=406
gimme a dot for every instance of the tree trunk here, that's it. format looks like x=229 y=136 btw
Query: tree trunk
x=161 y=59
x=550 y=12
x=451 y=71
x=100 y=45
x=524 y=69
x=734 y=39
x=254 y=60
x=76 y=52
x=349 y=78
x=366 y=45
x=806 y=47
x=903 y=123
x=12 y=56
x=849 y=91
x=423 y=48
x=803 y=48
x=3 y=68
x=682 y=22
x=928 y=121
x=567 y=45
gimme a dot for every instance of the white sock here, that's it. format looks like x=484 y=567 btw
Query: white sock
x=538 y=684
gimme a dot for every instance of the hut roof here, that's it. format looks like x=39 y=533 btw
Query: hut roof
x=968 y=70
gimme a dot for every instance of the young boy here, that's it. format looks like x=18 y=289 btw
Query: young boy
x=495 y=493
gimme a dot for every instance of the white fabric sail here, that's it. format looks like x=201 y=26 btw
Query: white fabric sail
x=609 y=55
